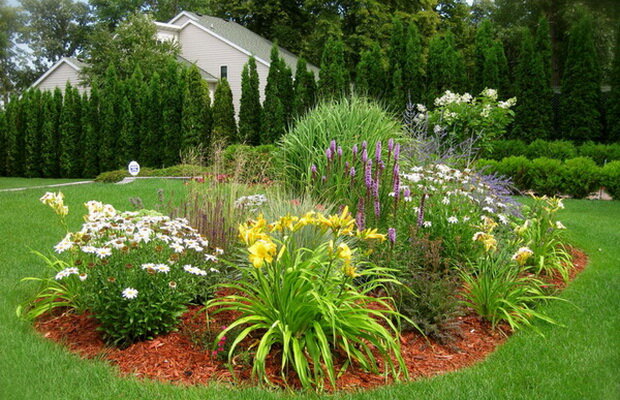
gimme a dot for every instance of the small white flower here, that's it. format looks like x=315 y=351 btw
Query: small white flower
x=83 y=277
x=177 y=247
x=130 y=293
x=103 y=252
x=427 y=224
x=503 y=219
x=219 y=251
x=210 y=257
x=89 y=249
x=445 y=201
x=162 y=268
x=194 y=270
x=453 y=220
x=148 y=266
x=488 y=209
x=66 y=272
x=465 y=219
x=559 y=225
x=214 y=270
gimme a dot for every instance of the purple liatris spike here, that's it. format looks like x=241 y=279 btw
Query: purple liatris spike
x=390 y=145
x=364 y=145
x=377 y=208
x=421 y=211
x=375 y=188
x=368 y=174
x=364 y=156
x=352 y=172
x=407 y=192
x=339 y=151
x=396 y=185
x=313 y=170
x=378 y=151
x=329 y=154
x=391 y=234
x=354 y=149
x=396 y=151
x=332 y=146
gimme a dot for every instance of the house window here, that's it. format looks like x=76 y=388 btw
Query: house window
x=224 y=71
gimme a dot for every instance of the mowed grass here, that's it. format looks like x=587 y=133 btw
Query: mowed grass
x=9 y=183
x=580 y=360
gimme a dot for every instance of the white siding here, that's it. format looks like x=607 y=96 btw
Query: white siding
x=59 y=77
x=210 y=53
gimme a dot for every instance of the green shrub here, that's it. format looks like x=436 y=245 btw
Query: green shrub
x=248 y=164
x=506 y=148
x=558 y=149
x=112 y=176
x=518 y=169
x=487 y=166
x=611 y=178
x=546 y=176
x=174 y=171
x=600 y=153
x=348 y=121
x=581 y=177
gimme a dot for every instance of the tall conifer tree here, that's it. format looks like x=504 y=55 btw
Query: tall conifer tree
x=32 y=167
x=370 y=77
x=333 y=76
x=91 y=127
x=445 y=66
x=3 y=143
x=413 y=67
x=196 y=105
x=250 y=110
x=126 y=139
x=109 y=109
x=273 y=119
x=224 y=124
x=581 y=84
x=153 y=136
x=613 y=103
x=69 y=132
x=172 y=103
x=304 y=88
x=542 y=46
x=533 y=110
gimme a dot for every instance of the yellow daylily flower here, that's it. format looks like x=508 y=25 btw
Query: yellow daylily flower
x=262 y=251
x=488 y=240
x=368 y=234
x=344 y=252
x=286 y=222
x=339 y=224
x=522 y=255
x=250 y=235
x=350 y=270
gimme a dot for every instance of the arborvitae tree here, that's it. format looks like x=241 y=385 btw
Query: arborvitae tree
x=153 y=138
x=397 y=49
x=399 y=94
x=445 y=66
x=109 y=111
x=3 y=143
x=613 y=108
x=413 y=67
x=69 y=132
x=32 y=167
x=534 y=115
x=194 y=126
x=273 y=119
x=370 y=77
x=483 y=67
x=91 y=127
x=505 y=83
x=250 y=110
x=581 y=84
x=304 y=88
x=19 y=121
x=542 y=46
x=11 y=134
x=126 y=139
x=285 y=88
x=224 y=125
x=50 y=135
x=78 y=155
x=333 y=76
x=172 y=103
x=136 y=93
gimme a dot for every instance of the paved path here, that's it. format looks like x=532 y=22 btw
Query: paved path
x=45 y=186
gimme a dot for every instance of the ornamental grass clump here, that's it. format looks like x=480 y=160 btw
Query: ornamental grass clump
x=312 y=308
x=134 y=272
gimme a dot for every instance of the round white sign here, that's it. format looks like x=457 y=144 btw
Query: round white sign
x=133 y=168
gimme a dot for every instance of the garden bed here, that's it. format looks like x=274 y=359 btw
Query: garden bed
x=184 y=357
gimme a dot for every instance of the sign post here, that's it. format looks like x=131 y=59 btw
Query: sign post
x=133 y=168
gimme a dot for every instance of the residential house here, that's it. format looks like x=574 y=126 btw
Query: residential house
x=219 y=48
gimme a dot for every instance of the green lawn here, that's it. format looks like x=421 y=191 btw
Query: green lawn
x=7 y=183
x=578 y=361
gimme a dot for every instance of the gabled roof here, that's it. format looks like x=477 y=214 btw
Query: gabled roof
x=205 y=75
x=70 y=61
x=244 y=38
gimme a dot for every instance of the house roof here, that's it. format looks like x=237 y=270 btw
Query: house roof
x=205 y=75
x=70 y=61
x=243 y=37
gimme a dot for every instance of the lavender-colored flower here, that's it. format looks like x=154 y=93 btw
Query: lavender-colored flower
x=375 y=188
x=390 y=145
x=391 y=234
x=364 y=156
x=368 y=174
x=329 y=154
x=354 y=149
x=407 y=192
x=313 y=169
x=396 y=185
x=378 y=151
x=381 y=165
x=332 y=146
x=396 y=151
x=377 y=208
x=352 y=172
x=339 y=151
x=364 y=145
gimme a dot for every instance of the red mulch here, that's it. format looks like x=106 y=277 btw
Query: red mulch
x=178 y=357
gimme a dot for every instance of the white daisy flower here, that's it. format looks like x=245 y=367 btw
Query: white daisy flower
x=453 y=220
x=103 y=252
x=130 y=293
x=194 y=270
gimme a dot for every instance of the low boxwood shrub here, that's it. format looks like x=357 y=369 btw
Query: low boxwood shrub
x=517 y=168
x=581 y=177
x=610 y=176
x=558 y=149
x=546 y=176
x=506 y=148
x=175 y=171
